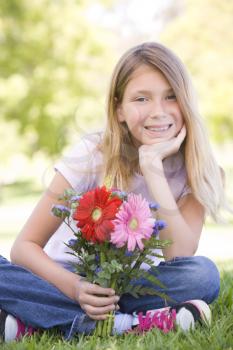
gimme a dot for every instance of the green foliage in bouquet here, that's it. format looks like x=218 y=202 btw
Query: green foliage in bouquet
x=115 y=234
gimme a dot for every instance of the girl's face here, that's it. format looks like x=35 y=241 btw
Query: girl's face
x=149 y=107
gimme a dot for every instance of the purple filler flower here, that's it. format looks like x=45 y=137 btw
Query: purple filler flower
x=98 y=269
x=159 y=225
x=154 y=206
x=60 y=211
x=97 y=257
x=127 y=253
x=75 y=198
x=72 y=242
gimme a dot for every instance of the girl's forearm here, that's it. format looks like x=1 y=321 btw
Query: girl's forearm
x=32 y=257
x=185 y=241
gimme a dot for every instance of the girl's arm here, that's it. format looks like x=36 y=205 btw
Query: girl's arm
x=185 y=218
x=28 y=252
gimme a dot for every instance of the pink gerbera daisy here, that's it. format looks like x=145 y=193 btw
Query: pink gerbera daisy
x=133 y=223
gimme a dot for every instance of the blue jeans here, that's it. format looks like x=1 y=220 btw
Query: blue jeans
x=41 y=305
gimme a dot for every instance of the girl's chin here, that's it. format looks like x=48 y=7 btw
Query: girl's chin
x=157 y=140
x=151 y=141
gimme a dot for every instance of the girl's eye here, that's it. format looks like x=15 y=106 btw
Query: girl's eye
x=141 y=99
x=171 y=97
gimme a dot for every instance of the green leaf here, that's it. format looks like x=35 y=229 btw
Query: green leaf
x=151 y=278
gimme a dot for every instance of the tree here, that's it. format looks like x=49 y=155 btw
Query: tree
x=53 y=62
x=201 y=36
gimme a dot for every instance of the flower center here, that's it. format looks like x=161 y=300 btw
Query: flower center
x=133 y=224
x=96 y=214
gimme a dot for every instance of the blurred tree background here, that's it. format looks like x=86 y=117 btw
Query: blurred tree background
x=201 y=35
x=56 y=58
x=52 y=61
x=55 y=62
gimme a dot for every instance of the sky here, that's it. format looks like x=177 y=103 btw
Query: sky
x=132 y=17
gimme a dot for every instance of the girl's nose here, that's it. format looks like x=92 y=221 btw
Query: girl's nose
x=157 y=109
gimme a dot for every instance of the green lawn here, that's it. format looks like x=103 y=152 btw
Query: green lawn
x=218 y=336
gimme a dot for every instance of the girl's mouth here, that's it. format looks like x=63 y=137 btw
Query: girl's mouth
x=158 y=128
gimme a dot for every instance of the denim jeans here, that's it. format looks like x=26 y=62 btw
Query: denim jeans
x=41 y=305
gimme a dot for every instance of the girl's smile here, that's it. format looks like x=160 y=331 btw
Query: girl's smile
x=158 y=130
x=149 y=107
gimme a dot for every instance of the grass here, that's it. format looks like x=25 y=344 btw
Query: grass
x=16 y=191
x=16 y=201
x=218 y=336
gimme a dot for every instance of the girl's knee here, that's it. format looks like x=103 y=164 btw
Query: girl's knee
x=198 y=278
x=207 y=278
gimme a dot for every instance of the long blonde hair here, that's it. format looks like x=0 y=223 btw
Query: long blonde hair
x=120 y=154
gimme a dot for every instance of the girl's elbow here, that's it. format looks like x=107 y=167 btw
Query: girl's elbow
x=185 y=251
x=15 y=251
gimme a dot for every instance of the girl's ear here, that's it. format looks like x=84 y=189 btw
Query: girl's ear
x=120 y=115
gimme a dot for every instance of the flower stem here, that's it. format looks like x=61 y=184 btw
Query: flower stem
x=104 y=328
x=102 y=258
x=111 y=315
x=99 y=328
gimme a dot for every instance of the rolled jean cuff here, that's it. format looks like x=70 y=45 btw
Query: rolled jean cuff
x=82 y=324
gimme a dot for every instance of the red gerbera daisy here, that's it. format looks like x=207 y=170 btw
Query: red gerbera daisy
x=95 y=213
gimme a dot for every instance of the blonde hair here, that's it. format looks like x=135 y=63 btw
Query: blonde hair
x=120 y=154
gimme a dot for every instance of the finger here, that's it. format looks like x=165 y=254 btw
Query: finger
x=89 y=309
x=182 y=132
x=184 y=127
x=99 y=301
x=95 y=289
x=181 y=136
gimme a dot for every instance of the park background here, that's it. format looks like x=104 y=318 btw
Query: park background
x=56 y=58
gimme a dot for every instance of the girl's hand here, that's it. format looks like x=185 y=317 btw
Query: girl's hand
x=96 y=301
x=151 y=155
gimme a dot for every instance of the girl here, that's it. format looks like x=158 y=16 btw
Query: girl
x=155 y=144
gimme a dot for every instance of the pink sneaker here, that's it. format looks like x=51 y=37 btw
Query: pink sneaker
x=183 y=316
x=12 y=328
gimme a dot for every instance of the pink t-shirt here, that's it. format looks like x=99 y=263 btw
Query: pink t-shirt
x=81 y=167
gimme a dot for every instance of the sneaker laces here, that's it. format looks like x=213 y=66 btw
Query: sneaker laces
x=23 y=329
x=164 y=320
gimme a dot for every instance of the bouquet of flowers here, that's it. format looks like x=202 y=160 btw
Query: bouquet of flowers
x=116 y=232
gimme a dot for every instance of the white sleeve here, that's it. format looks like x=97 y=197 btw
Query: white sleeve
x=81 y=166
x=186 y=190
